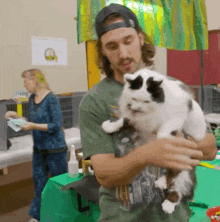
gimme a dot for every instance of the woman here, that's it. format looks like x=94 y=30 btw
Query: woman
x=50 y=149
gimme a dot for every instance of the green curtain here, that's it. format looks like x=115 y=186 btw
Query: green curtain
x=173 y=24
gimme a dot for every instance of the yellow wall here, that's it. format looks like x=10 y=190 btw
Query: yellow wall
x=92 y=67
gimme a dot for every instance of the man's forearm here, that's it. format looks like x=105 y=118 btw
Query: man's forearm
x=208 y=147
x=120 y=171
x=166 y=153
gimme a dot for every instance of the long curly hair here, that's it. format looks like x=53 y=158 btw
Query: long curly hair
x=147 y=50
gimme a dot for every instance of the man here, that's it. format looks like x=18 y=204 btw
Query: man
x=122 y=49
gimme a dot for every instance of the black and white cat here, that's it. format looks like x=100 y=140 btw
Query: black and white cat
x=151 y=102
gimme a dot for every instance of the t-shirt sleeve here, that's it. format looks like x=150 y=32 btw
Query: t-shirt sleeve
x=93 y=138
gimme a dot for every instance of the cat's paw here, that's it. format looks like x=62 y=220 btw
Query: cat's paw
x=198 y=135
x=161 y=183
x=111 y=127
x=163 y=135
x=108 y=126
x=168 y=207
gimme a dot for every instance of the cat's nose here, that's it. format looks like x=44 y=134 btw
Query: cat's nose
x=137 y=107
x=136 y=110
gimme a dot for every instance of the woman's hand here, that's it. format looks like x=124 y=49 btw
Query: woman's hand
x=27 y=126
x=14 y=115
x=11 y=114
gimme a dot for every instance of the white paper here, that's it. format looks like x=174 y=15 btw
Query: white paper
x=49 y=51
x=15 y=124
x=20 y=93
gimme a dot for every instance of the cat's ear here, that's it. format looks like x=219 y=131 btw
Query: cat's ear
x=155 y=80
x=158 y=82
x=128 y=77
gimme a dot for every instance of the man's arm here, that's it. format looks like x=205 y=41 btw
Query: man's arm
x=167 y=153
x=111 y=172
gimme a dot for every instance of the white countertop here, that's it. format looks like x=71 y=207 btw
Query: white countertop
x=213 y=118
x=22 y=148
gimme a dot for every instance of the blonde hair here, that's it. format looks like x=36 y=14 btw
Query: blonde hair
x=41 y=80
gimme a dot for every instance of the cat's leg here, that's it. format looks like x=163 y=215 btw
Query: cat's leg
x=172 y=200
x=172 y=196
x=195 y=124
x=171 y=127
x=111 y=127
x=161 y=183
x=165 y=182
x=182 y=185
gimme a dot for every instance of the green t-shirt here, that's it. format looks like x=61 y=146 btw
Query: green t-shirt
x=98 y=105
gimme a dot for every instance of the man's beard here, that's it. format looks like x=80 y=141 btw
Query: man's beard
x=130 y=70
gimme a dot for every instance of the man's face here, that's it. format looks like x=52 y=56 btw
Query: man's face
x=122 y=46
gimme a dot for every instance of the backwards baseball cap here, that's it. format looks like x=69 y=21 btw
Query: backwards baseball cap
x=130 y=19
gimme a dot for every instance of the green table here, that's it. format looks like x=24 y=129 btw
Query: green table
x=58 y=205
x=208 y=190
x=62 y=206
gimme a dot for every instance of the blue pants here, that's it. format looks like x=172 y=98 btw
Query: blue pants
x=43 y=164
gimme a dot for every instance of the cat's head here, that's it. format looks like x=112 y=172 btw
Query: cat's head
x=144 y=89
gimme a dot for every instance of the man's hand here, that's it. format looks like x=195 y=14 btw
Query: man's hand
x=207 y=146
x=175 y=153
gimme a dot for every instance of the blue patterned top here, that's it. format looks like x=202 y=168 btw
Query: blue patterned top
x=47 y=112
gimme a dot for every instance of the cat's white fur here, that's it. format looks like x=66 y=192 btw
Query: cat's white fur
x=171 y=115
x=164 y=117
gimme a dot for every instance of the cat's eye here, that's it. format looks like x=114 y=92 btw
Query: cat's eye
x=134 y=99
x=146 y=101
